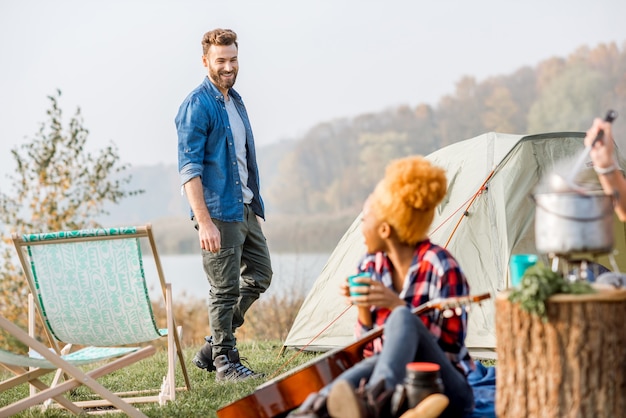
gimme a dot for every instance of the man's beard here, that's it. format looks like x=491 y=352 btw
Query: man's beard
x=221 y=83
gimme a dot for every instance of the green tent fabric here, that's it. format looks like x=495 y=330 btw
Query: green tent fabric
x=487 y=215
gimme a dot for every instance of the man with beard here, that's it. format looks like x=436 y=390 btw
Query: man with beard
x=218 y=170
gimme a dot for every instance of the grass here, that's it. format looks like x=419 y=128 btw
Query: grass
x=203 y=400
x=206 y=395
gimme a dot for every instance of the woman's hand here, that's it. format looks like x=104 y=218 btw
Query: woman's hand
x=373 y=294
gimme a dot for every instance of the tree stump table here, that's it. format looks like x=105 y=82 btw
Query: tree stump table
x=572 y=365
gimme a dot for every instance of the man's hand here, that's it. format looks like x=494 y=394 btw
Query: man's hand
x=209 y=236
x=602 y=153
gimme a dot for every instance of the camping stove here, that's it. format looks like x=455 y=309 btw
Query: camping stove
x=577 y=267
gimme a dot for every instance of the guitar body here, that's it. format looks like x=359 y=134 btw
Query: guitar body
x=277 y=397
x=286 y=392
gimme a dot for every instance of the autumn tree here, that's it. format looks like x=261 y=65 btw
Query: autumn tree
x=569 y=102
x=376 y=151
x=57 y=185
x=460 y=114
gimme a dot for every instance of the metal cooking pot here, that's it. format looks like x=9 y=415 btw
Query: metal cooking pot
x=571 y=222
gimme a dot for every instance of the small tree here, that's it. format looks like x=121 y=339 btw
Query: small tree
x=57 y=185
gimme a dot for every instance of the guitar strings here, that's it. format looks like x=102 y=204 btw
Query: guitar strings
x=447 y=312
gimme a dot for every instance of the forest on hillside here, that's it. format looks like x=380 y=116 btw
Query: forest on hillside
x=335 y=165
x=314 y=185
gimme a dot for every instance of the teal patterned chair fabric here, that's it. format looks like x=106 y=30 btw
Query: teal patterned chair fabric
x=84 y=356
x=90 y=290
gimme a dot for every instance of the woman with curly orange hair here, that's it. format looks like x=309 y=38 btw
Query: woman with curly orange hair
x=406 y=270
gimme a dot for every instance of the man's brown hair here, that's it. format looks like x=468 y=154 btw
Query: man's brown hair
x=218 y=37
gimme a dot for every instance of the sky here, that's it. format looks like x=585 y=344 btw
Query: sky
x=129 y=64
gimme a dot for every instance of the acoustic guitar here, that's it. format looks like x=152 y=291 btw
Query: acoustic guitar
x=277 y=397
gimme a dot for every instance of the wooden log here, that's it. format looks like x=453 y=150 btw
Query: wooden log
x=573 y=365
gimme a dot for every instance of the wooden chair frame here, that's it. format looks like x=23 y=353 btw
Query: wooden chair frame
x=26 y=249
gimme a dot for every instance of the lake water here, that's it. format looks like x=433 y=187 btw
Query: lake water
x=293 y=272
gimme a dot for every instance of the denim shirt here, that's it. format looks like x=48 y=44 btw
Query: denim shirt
x=206 y=148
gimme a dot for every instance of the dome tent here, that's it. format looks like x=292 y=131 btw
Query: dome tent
x=486 y=216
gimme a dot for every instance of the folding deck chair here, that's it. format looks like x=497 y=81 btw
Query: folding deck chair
x=90 y=290
x=42 y=361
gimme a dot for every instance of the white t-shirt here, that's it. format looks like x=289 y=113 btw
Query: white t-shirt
x=239 y=135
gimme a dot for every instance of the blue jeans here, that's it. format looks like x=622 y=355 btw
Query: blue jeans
x=238 y=274
x=408 y=340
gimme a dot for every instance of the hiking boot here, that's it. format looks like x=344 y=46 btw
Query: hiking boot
x=432 y=406
x=204 y=358
x=229 y=368
x=346 y=402
x=314 y=406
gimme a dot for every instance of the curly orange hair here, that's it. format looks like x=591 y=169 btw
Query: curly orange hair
x=407 y=196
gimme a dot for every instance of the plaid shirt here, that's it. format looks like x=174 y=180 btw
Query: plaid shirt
x=433 y=274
